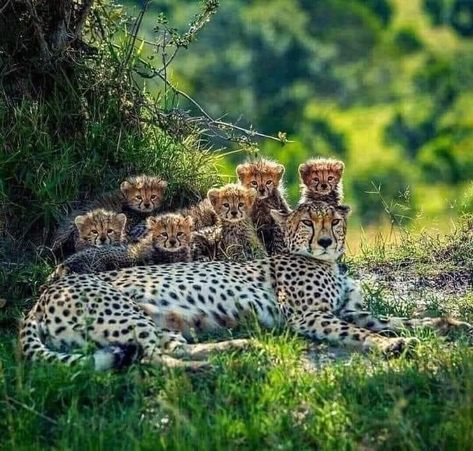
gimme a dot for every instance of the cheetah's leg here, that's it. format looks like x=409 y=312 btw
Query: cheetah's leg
x=351 y=311
x=326 y=326
x=202 y=350
x=173 y=343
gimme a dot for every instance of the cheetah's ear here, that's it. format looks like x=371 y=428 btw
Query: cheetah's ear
x=125 y=186
x=251 y=196
x=161 y=184
x=151 y=221
x=344 y=210
x=79 y=221
x=304 y=171
x=242 y=171
x=190 y=222
x=280 y=170
x=213 y=196
x=121 y=217
x=279 y=217
x=338 y=167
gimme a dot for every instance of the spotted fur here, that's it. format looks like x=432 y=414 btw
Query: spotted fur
x=168 y=240
x=156 y=308
x=233 y=237
x=322 y=181
x=265 y=177
x=137 y=198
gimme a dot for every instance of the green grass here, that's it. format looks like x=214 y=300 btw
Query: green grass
x=263 y=398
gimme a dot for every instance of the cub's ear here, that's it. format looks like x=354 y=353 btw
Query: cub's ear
x=279 y=217
x=161 y=184
x=242 y=171
x=189 y=222
x=151 y=221
x=304 y=171
x=121 y=217
x=344 y=210
x=125 y=186
x=79 y=221
x=251 y=197
x=338 y=166
x=214 y=196
x=280 y=170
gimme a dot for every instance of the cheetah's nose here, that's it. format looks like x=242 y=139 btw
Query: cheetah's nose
x=234 y=213
x=324 y=186
x=172 y=242
x=102 y=239
x=325 y=242
x=147 y=205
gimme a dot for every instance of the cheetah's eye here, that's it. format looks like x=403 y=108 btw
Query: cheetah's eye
x=180 y=233
x=109 y=231
x=316 y=179
x=153 y=196
x=330 y=178
x=241 y=204
x=335 y=222
x=226 y=205
x=164 y=234
x=94 y=231
x=269 y=182
x=307 y=223
x=254 y=183
x=138 y=197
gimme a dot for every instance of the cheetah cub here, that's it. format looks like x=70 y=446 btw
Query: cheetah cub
x=265 y=177
x=322 y=181
x=234 y=236
x=167 y=241
x=99 y=228
x=137 y=198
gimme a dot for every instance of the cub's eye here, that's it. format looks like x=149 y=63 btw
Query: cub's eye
x=241 y=204
x=254 y=183
x=269 y=182
x=94 y=231
x=153 y=196
x=316 y=179
x=138 y=197
x=307 y=223
x=164 y=234
x=330 y=178
x=336 y=221
x=110 y=231
x=180 y=233
x=226 y=205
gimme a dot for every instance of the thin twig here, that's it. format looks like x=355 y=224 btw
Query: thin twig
x=30 y=409
x=213 y=121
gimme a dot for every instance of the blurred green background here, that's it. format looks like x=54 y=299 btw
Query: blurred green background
x=385 y=85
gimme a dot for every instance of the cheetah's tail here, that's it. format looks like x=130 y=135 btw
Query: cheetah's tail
x=109 y=357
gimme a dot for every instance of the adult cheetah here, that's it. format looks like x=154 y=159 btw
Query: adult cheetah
x=155 y=308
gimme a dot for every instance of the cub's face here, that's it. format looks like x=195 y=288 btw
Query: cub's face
x=263 y=176
x=317 y=229
x=170 y=232
x=232 y=202
x=321 y=176
x=101 y=227
x=143 y=194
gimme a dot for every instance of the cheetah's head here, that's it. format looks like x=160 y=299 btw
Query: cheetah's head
x=101 y=227
x=232 y=202
x=317 y=229
x=170 y=231
x=262 y=175
x=144 y=193
x=321 y=175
